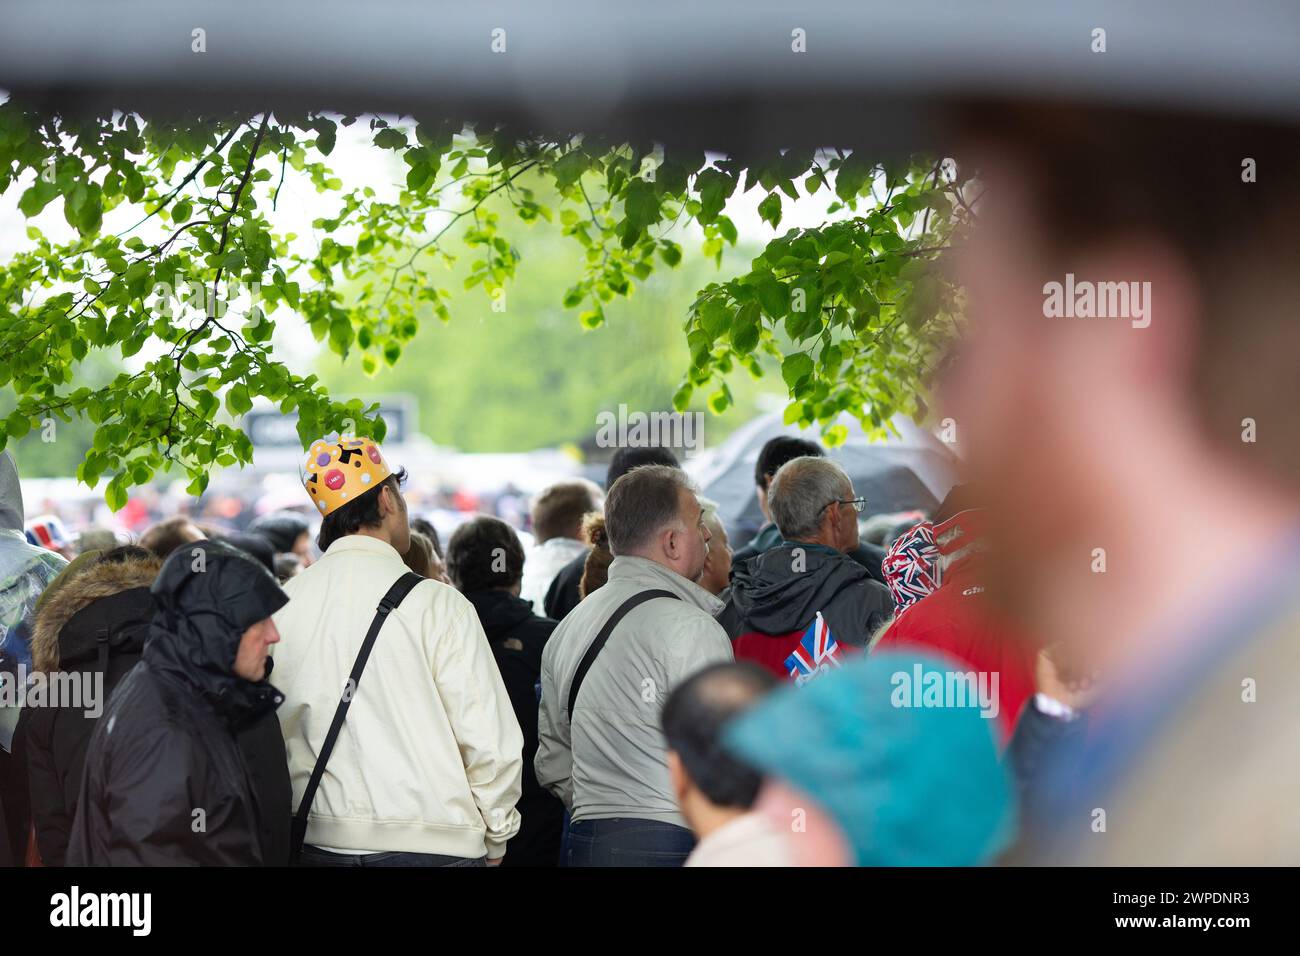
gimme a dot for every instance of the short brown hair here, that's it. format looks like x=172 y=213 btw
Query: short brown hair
x=419 y=556
x=166 y=536
x=560 y=508
x=641 y=503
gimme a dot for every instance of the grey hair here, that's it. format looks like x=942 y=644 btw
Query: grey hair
x=800 y=492
x=640 y=504
x=711 y=514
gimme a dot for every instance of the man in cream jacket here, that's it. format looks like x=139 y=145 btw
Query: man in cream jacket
x=427 y=769
x=609 y=763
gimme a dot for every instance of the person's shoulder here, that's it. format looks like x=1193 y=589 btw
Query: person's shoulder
x=680 y=608
x=538 y=627
x=443 y=599
x=874 y=589
x=929 y=619
x=51 y=562
x=684 y=622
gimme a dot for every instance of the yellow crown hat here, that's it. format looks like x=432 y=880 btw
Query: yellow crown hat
x=339 y=471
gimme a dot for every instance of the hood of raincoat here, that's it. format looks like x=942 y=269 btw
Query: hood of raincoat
x=780 y=591
x=207 y=596
x=93 y=600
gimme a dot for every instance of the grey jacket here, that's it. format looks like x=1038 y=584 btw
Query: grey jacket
x=612 y=762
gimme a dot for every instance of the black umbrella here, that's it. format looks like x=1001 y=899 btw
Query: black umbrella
x=912 y=470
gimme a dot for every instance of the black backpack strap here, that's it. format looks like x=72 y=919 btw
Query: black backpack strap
x=401 y=587
x=588 y=658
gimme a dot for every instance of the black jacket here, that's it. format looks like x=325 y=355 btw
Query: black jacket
x=562 y=596
x=518 y=636
x=95 y=624
x=166 y=780
x=778 y=592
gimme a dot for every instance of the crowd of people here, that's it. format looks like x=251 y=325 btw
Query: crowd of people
x=468 y=742
x=425 y=707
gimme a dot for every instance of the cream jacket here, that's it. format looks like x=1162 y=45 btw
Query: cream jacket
x=429 y=758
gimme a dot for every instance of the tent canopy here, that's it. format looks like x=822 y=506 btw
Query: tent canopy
x=723 y=75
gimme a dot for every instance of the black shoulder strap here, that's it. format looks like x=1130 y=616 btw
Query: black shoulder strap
x=620 y=612
x=401 y=587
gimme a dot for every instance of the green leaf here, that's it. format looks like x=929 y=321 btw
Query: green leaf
x=770 y=209
x=341 y=335
x=773 y=296
x=238 y=401
x=325 y=135
x=745 y=329
x=17 y=425
x=37 y=197
x=641 y=204
x=570 y=167
x=390 y=139
x=115 y=494
x=854 y=173
x=796 y=367
x=715 y=188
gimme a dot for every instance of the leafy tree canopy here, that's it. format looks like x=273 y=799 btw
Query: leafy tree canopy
x=854 y=310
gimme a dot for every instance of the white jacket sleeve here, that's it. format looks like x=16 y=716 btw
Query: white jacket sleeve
x=486 y=730
x=554 y=761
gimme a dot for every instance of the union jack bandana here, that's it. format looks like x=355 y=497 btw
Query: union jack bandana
x=909 y=568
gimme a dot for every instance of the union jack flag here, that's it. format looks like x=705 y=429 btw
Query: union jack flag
x=817 y=653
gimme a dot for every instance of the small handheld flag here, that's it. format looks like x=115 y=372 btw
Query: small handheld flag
x=817 y=653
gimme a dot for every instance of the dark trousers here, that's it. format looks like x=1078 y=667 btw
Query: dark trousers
x=315 y=856
x=628 y=842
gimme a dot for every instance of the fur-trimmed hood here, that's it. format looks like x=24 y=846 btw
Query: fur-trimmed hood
x=97 y=583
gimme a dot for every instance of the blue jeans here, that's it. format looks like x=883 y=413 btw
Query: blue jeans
x=315 y=856
x=628 y=842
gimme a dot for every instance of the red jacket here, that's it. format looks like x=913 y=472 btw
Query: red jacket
x=772 y=606
x=770 y=651
x=957 y=620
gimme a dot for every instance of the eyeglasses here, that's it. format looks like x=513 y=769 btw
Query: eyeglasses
x=859 y=504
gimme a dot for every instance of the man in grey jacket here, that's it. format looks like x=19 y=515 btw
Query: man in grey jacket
x=602 y=751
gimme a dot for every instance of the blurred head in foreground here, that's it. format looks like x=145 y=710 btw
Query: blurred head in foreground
x=861 y=772
x=1129 y=366
x=713 y=788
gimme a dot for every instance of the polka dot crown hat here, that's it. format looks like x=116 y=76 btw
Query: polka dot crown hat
x=339 y=471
